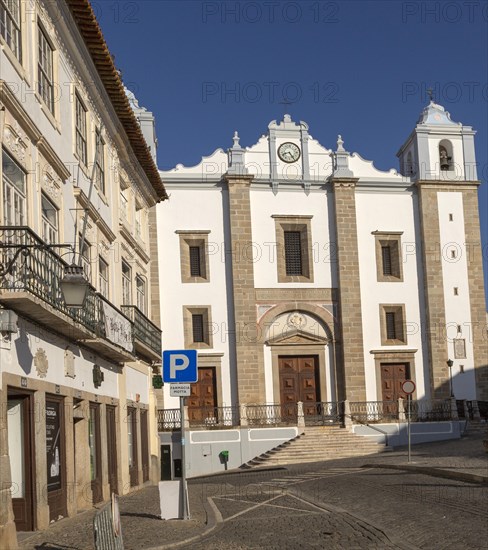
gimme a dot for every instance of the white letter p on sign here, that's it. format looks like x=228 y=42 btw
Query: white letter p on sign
x=176 y=363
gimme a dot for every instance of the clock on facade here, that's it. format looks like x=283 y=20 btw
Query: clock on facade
x=289 y=152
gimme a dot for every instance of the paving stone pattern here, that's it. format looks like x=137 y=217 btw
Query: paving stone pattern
x=333 y=504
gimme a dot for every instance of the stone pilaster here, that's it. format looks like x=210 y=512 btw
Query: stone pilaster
x=434 y=290
x=250 y=376
x=351 y=381
x=8 y=532
x=155 y=303
x=476 y=291
x=435 y=314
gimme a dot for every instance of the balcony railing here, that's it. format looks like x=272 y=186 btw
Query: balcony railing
x=323 y=413
x=199 y=417
x=144 y=330
x=214 y=417
x=314 y=414
x=169 y=419
x=423 y=410
x=374 y=411
x=38 y=270
x=272 y=415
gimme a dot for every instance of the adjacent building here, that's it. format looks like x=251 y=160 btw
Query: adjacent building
x=303 y=273
x=79 y=181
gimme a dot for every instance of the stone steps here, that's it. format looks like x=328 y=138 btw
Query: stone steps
x=316 y=444
x=475 y=426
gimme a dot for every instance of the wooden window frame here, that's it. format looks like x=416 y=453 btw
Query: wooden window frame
x=10 y=187
x=11 y=28
x=81 y=139
x=47 y=225
x=128 y=282
x=141 y=295
x=104 y=281
x=45 y=68
x=100 y=176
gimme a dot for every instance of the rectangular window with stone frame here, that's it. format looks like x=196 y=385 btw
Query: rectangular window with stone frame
x=100 y=161
x=294 y=249
x=392 y=323
x=10 y=26
x=80 y=130
x=45 y=69
x=197 y=325
x=126 y=284
x=49 y=214
x=14 y=192
x=194 y=256
x=388 y=247
x=103 y=278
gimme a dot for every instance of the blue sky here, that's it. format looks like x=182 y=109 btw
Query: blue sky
x=358 y=68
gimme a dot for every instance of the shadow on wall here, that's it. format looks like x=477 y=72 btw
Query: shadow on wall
x=22 y=346
x=461 y=385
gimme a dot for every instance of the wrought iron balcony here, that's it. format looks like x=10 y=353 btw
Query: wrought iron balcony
x=147 y=336
x=32 y=287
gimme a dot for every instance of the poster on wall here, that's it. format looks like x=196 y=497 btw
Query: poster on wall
x=53 y=446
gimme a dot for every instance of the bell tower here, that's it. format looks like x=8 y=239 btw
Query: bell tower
x=438 y=148
x=439 y=158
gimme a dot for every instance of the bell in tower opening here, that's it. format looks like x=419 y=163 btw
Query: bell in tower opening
x=444 y=159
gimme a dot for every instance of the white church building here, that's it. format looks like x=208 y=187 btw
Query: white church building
x=302 y=273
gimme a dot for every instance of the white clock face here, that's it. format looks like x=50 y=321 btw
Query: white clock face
x=289 y=152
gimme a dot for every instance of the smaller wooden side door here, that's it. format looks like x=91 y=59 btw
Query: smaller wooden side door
x=112 y=449
x=203 y=398
x=144 y=446
x=94 y=444
x=55 y=458
x=132 y=440
x=21 y=447
x=392 y=377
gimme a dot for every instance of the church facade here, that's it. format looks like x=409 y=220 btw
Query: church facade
x=302 y=273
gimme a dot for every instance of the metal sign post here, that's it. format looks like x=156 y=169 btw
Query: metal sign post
x=409 y=401
x=184 y=493
x=180 y=369
x=408 y=387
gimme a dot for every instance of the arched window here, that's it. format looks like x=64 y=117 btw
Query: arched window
x=409 y=171
x=445 y=155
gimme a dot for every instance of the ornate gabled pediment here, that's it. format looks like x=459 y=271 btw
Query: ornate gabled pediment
x=297 y=336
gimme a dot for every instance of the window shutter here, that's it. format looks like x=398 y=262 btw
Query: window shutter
x=195 y=264
x=391 y=333
x=197 y=327
x=386 y=258
x=293 y=253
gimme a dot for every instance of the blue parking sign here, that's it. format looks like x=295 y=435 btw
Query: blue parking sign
x=180 y=366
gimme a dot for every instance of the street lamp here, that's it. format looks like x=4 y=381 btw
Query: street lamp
x=74 y=286
x=450 y=363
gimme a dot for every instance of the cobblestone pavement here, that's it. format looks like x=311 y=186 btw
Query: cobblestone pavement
x=334 y=504
x=358 y=508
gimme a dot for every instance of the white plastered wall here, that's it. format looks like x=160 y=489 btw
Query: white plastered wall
x=389 y=212
x=265 y=204
x=188 y=210
x=17 y=357
x=455 y=275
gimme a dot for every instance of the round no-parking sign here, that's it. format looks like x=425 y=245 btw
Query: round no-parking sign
x=408 y=387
